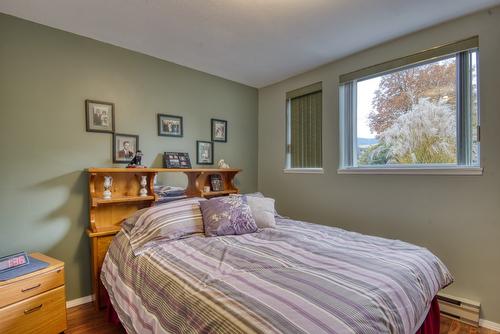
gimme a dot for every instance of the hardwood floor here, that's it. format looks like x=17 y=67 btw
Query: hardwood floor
x=449 y=326
x=84 y=319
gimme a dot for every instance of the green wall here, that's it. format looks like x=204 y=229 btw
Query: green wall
x=456 y=217
x=45 y=77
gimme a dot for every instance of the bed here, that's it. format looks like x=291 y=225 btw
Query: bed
x=295 y=278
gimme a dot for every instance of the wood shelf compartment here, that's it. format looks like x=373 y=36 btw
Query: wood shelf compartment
x=198 y=179
x=122 y=199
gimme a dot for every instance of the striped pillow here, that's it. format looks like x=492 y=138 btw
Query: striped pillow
x=169 y=221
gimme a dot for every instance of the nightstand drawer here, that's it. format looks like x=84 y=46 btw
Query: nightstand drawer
x=22 y=289
x=41 y=314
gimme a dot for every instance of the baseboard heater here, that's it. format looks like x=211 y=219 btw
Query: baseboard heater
x=461 y=309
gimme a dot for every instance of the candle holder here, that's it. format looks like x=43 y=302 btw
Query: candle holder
x=108 y=182
x=144 y=182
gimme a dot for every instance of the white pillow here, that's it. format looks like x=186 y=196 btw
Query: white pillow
x=261 y=195
x=262 y=211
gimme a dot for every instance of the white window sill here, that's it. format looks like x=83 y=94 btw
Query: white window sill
x=412 y=170
x=303 y=171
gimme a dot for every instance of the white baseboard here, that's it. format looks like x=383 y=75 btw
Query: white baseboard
x=489 y=324
x=79 y=301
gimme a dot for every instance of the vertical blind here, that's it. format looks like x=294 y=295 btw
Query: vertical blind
x=305 y=131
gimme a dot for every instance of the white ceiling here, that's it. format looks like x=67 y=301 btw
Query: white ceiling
x=255 y=42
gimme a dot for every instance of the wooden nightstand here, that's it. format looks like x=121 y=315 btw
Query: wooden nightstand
x=35 y=302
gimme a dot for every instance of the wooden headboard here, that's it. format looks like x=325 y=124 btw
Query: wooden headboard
x=107 y=215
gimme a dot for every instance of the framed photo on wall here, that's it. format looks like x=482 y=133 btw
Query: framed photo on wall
x=204 y=152
x=99 y=116
x=124 y=147
x=169 y=125
x=219 y=130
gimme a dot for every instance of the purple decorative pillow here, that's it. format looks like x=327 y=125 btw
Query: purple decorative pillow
x=226 y=216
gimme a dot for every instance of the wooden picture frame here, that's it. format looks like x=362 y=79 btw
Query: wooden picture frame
x=122 y=153
x=204 y=152
x=99 y=116
x=218 y=130
x=170 y=125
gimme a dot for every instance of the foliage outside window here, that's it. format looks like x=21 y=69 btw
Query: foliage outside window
x=304 y=128
x=420 y=115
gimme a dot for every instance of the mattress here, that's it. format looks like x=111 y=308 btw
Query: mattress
x=296 y=278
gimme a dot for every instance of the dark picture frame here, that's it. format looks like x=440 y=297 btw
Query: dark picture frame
x=176 y=125
x=99 y=116
x=204 y=156
x=176 y=160
x=216 y=182
x=122 y=154
x=218 y=130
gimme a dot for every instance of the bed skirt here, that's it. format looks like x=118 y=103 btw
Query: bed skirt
x=111 y=315
x=430 y=325
x=432 y=320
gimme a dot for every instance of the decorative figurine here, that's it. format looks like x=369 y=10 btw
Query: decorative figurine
x=222 y=164
x=136 y=161
x=108 y=182
x=144 y=182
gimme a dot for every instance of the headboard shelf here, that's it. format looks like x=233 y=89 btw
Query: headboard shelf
x=218 y=193
x=161 y=170
x=105 y=232
x=107 y=215
x=122 y=199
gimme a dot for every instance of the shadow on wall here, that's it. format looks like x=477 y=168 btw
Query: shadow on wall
x=73 y=248
x=158 y=161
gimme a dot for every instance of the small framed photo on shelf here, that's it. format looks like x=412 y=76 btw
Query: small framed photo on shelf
x=204 y=152
x=124 y=147
x=216 y=182
x=219 y=130
x=169 y=125
x=99 y=116
x=176 y=160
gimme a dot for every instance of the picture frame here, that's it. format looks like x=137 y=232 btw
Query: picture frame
x=204 y=152
x=99 y=116
x=176 y=160
x=124 y=147
x=216 y=182
x=219 y=130
x=170 y=125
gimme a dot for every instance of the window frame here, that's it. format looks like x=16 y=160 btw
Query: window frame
x=463 y=51
x=306 y=90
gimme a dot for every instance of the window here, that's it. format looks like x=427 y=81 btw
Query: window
x=304 y=113
x=413 y=113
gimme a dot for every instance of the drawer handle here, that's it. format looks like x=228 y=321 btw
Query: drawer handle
x=31 y=310
x=33 y=287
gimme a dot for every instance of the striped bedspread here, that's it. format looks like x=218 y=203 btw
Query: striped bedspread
x=297 y=278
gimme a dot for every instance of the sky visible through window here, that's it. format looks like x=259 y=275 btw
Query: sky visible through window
x=409 y=116
x=366 y=94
